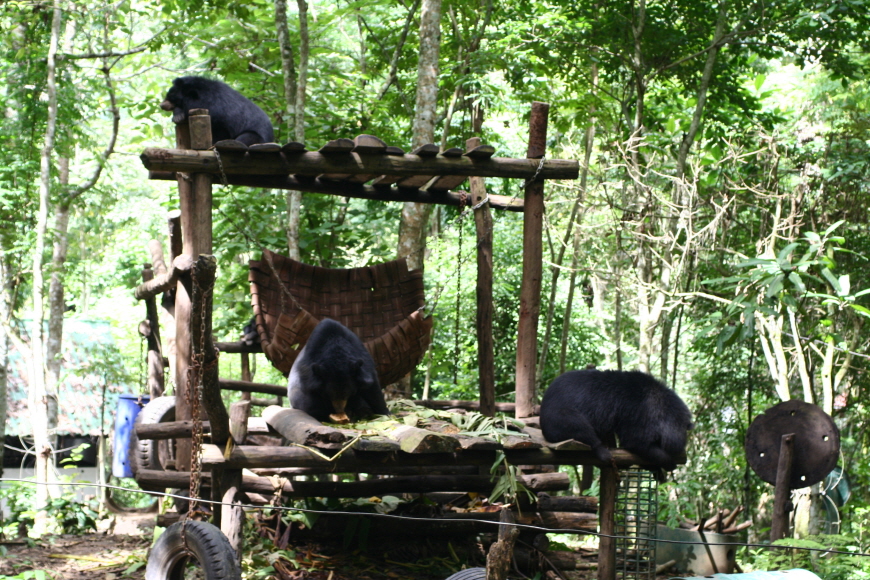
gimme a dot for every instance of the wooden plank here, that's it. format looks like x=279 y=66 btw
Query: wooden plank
x=293 y=148
x=230 y=146
x=337 y=146
x=317 y=162
x=368 y=145
x=263 y=148
x=530 y=288
x=481 y=152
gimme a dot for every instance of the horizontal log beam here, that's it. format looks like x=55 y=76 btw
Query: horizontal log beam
x=357 y=190
x=249 y=387
x=183 y=429
x=180 y=265
x=239 y=348
x=155 y=479
x=314 y=163
x=353 y=461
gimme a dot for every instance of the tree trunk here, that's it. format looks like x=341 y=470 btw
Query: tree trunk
x=56 y=302
x=5 y=316
x=39 y=396
x=415 y=216
x=294 y=93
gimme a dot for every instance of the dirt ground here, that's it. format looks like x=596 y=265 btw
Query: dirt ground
x=100 y=556
x=114 y=553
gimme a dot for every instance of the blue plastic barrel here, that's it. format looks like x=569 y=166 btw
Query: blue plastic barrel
x=125 y=417
x=796 y=574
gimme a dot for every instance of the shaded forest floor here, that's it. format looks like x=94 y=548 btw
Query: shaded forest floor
x=120 y=553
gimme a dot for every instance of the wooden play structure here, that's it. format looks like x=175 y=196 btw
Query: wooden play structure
x=382 y=304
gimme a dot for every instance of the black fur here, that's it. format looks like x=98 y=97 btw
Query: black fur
x=233 y=116
x=597 y=407
x=335 y=374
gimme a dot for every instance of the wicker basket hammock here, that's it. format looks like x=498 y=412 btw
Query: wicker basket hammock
x=381 y=304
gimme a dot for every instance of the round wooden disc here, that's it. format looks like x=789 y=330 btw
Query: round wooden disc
x=816 y=443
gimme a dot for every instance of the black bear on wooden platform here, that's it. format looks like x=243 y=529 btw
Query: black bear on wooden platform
x=597 y=407
x=334 y=377
x=233 y=116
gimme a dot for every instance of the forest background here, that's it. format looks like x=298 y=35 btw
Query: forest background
x=716 y=237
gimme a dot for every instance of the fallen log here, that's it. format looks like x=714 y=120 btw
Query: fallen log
x=303 y=429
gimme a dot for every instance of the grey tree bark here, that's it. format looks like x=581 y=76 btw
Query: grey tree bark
x=415 y=216
x=39 y=397
x=295 y=87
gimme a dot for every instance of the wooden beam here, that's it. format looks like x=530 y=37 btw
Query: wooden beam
x=782 y=493
x=357 y=190
x=314 y=163
x=203 y=276
x=167 y=281
x=155 y=348
x=530 y=289
x=249 y=387
x=239 y=348
x=183 y=225
x=485 y=309
x=353 y=461
x=607 y=522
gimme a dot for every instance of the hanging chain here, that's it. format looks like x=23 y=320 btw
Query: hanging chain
x=456 y=223
x=194 y=402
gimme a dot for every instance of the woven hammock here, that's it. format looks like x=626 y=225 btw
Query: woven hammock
x=381 y=304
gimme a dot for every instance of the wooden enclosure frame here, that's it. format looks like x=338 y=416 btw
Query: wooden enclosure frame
x=342 y=167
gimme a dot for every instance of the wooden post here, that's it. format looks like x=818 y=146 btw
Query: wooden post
x=155 y=349
x=485 y=348
x=607 y=524
x=782 y=495
x=498 y=560
x=530 y=291
x=196 y=236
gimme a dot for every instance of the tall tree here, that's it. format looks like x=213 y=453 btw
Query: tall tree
x=415 y=216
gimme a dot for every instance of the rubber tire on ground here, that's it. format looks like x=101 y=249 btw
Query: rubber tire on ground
x=152 y=453
x=207 y=545
x=467 y=574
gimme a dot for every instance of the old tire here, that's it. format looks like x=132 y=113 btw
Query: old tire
x=469 y=574
x=158 y=454
x=208 y=553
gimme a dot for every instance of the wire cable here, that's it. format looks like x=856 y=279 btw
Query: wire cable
x=425 y=519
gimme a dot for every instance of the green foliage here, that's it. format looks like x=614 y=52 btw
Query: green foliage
x=827 y=565
x=69 y=514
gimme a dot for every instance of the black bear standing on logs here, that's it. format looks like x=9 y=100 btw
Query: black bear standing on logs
x=597 y=407
x=233 y=116
x=334 y=377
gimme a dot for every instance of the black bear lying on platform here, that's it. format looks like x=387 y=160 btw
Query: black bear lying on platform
x=597 y=407
x=233 y=116
x=334 y=377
